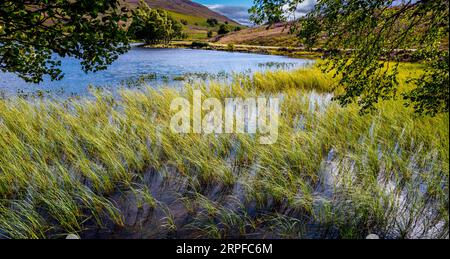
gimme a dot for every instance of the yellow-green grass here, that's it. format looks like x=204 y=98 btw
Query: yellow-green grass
x=192 y=20
x=332 y=172
x=197 y=27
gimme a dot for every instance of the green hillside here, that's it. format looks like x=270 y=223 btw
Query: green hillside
x=197 y=27
x=192 y=15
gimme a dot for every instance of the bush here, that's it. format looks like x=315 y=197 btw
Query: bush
x=209 y=34
x=199 y=44
x=212 y=22
x=183 y=36
x=224 y=29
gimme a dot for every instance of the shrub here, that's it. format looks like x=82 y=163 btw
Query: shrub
x=199 y=44
x=212 y=22
x=224 y=29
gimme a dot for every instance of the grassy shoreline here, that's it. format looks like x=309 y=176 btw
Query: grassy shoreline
x=266 y=50
x=110 y=167
x=404 y=55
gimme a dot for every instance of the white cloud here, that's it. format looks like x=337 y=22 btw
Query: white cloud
x=240 y=13
x=302 y=9
x=305 y=7
x=236 y=13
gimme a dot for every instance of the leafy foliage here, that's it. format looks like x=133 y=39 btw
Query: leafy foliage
x=431 y=95
x=363 y=39
x=212 y=22
x=154 y=26
x=224 y=29
x=35 y=33
x=271 y=11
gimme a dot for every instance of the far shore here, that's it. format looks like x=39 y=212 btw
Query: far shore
x=294 y=52
x=404 y=55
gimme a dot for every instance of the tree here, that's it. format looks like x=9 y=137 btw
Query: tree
x=174 y=29
x=362 y=40
x=154 y=26
x=209 y=34
x=224 y=29
x=35 y=34
x=212 y=22
x=184 y=22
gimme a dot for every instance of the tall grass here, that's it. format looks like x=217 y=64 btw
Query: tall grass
x=333 y=173
x=303 y=79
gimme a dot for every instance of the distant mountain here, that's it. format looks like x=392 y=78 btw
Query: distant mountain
x=185 y=7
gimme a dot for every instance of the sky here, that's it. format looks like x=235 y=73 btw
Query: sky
x=247 y=3
x=238 y=9
x=233 y=9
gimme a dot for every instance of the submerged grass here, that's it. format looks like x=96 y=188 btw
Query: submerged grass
x=333 y=173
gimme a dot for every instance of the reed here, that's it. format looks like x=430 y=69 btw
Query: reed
x=332 y=173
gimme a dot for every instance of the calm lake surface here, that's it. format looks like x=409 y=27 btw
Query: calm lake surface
x=155 y=66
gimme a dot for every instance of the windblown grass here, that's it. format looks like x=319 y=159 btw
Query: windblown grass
x=303 y=79
x=332 y=173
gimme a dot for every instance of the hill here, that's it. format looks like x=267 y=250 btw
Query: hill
x=193 y=16
x=185 y=7
x=275 y=35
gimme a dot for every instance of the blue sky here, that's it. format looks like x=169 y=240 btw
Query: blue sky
x=238 y=9
x=234 y=9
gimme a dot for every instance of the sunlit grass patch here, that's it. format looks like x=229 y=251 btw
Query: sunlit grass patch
x=332 y=173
